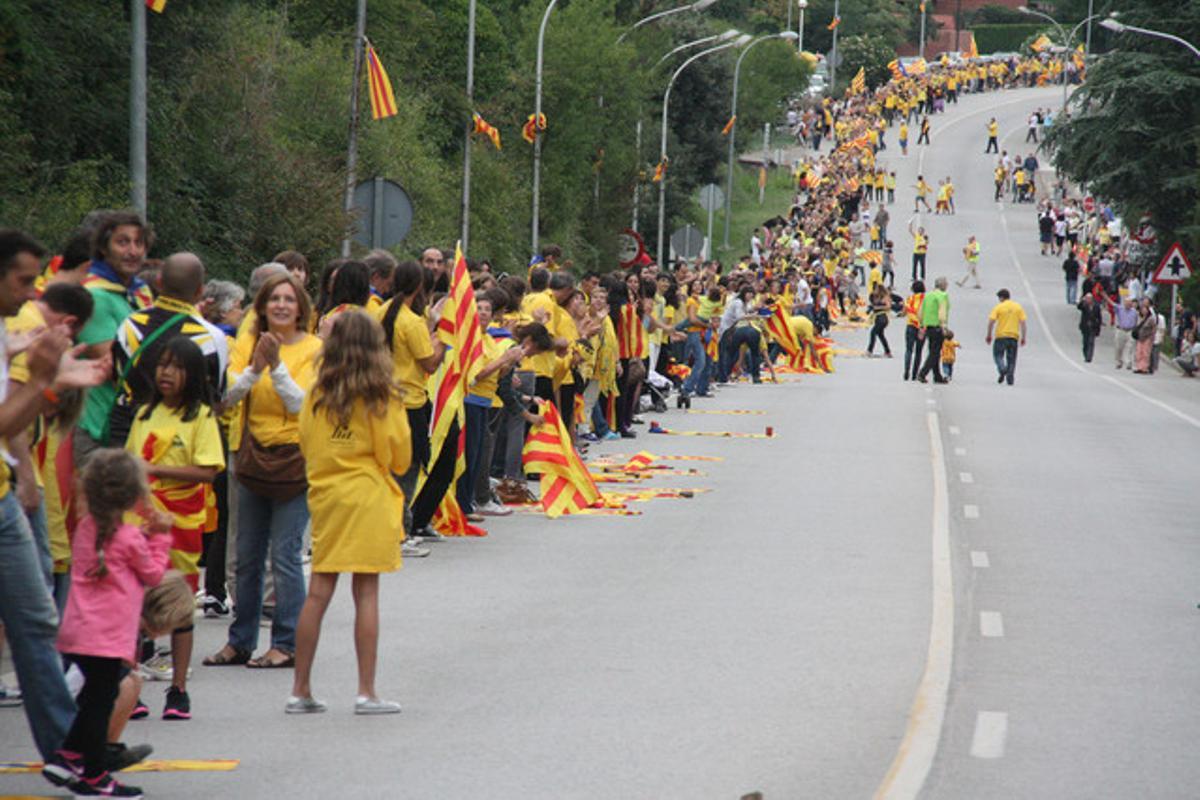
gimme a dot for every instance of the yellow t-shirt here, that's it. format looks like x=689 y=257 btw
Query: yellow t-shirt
x=27 y=319
x=492 y=349
x=58 y=495
x=268 y=419
x=410 y=343
x=543 y=364
x=948 y=348
x=166 y=440
x=803 y=328
x=1008 y=316
x=920 y=244
x=357 y=509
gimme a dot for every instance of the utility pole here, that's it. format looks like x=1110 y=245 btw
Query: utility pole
x=466 y=187
x=137 y=107
x=360 y=35
x=833 y=53
x=921 y=51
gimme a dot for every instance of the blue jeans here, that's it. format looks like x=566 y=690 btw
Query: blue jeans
x=1072 y=291
x=693 y=351
x=31 y=625
x=279 y=524
x=464 y=491
x=599 y=421
x=41 y=538
x=750 y=337
x=1004 y=351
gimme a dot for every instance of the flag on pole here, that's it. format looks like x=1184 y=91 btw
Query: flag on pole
x=918 y=67
x=1041 y=43
x=729 y=125
x=529 y=131
x=156 y=6
x=836 y=21
x=972 y=48
x=458 y=327
x=660 y=170
x=383 y=101
x=1078 y=58
x=566 y=485
x=859 y=83
x=481 y=126
x=898 y=71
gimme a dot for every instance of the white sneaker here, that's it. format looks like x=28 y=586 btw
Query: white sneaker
x=157 y=668
x=9 y=695
x=303 y=705
x=410 y=549
x=373 y=705
x=493 y=509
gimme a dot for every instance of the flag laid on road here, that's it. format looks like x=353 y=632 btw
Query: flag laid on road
x=383 y=101
x=780 y=329
x=480 y=125
x=566 y=485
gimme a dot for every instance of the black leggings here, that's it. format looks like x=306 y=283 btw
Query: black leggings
x=881 y=323
x=89 y=732
x=626 y=409
x=913 y=345
x=441 y=475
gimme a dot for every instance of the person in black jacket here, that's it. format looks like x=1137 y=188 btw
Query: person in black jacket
x=1070 y=269
x=1089 y=324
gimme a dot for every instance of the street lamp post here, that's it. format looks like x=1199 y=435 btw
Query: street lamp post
x=724 y=36
x=470 y=126
x=1119 y=27
x=833 y=53
x=921 y=46
x=537 y=115
x=1067 y=38
x=662 y=154
x=801 y=4
x=699 y=5
x=737 y=72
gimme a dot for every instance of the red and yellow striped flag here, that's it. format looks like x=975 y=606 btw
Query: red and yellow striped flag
x=780 y=329
x=729 y=125
x=529 y=131
x=639 y=462
x=660 y=170
x=836 y=21
x=631 y=333
x=448 y=518
x=566 y=484
x=858 y=84
x=481 y=126
x=383 y=101
x=156 y=6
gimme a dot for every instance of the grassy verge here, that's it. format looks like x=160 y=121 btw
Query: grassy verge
x=745 y=214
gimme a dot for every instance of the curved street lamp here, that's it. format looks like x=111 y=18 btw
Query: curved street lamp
x=732 y=33
x=537 y=133
x=699 y=5
x=1120 y=27
x=740 y=41
x=737 y=72
x=1067 y=38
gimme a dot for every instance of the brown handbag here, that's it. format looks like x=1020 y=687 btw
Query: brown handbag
x=276 y=471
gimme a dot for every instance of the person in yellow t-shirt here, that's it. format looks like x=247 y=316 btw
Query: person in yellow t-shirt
x=1006 y=325
x=355 y=437
x=273 y=382
x=950 y=347
x=177 y=437
x=922 y=194
x=993 y=142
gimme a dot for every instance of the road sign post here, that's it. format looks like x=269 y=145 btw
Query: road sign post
x=711 y=198
x=1173 y=270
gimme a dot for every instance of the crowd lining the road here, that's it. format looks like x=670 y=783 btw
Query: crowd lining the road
x=154 y=422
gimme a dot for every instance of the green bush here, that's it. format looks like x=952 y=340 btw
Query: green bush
x=1003 y=38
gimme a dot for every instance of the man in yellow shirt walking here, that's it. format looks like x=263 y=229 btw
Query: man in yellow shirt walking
x=1006 y=327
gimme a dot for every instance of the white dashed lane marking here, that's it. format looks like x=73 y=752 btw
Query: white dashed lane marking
x=971 y=512
x=991 y=731
x=991 y=624
x=966 y=477
x=960 y=451
x=979 y=559
x=954 y=431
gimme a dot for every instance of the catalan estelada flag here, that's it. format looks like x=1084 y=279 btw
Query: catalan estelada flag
x=156 y=6
x=898 y=71
x=566 y=484
x=481 y=126
x=529 y=131
x=383 y=101
x=729 y=125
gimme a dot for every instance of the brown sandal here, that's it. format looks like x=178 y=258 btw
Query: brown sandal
x=266 y=662
x=227 y=656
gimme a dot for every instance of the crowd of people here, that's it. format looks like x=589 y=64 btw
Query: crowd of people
x=178 y=441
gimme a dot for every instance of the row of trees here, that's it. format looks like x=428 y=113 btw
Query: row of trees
x=248 y=105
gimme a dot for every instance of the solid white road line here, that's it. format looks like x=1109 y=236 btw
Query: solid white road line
x=971 y=511
x=979 y=559
x=966 y=477
x=991 y=731
x=991 y=624
x=928 y=711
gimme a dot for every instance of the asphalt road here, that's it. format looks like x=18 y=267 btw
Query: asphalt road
x=800 y=628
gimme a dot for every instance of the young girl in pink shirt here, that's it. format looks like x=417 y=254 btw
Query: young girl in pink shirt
x=112 y=563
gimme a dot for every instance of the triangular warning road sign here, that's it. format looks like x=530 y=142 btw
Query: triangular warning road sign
x=1174 y=267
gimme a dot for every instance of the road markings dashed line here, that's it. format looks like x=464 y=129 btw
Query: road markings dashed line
x=966 y=477
x=980 y=560
x=954 y=430
x=971 y=511
x=991 y=624
x=960 y=451
x=991 y=732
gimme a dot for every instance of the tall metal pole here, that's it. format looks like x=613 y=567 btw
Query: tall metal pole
x=637 y=181
x=921 y=50
x=833 y=53
x=537 y=133
x=662 y=153
x=466 y=187
x=137 y=107
x=1087 y=46
x=788 y=27
x=360 y=35
x=800 y=30
x=762 y=176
